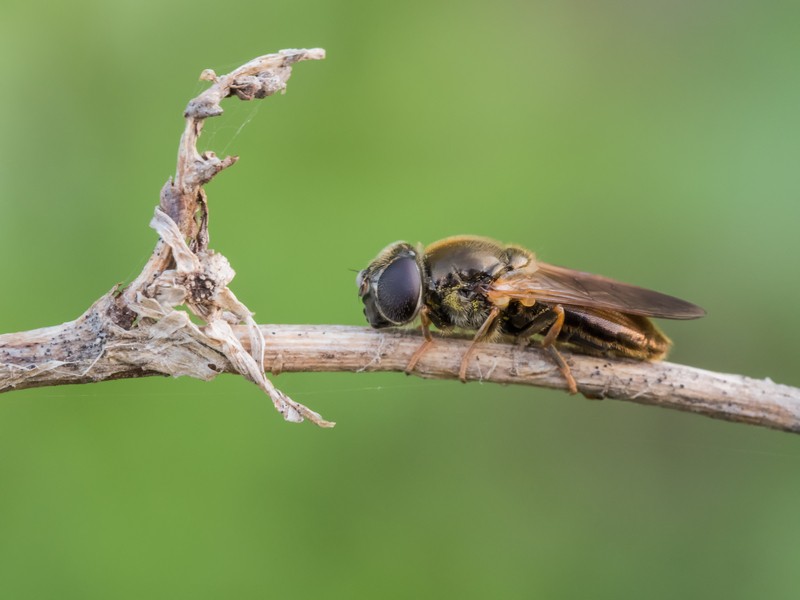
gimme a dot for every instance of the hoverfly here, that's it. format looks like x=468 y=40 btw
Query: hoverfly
x=478 y=284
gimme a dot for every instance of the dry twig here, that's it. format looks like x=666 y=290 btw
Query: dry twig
x=137 y=331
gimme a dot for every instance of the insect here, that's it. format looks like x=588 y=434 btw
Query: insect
x=478 y=284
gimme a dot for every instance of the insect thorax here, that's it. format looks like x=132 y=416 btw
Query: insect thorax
x=459 y=300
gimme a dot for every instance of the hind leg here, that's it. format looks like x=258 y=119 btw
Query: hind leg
x=554 y=320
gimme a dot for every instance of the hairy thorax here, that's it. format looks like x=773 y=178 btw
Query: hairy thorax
x=461 y=270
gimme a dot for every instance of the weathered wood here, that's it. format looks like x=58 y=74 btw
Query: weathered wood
x=66 y=354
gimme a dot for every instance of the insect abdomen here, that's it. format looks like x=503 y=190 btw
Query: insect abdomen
x=611 y=333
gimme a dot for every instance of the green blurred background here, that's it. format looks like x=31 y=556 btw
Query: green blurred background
x=654 y=142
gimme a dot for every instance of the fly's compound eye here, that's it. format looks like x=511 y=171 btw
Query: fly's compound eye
x=398 y=290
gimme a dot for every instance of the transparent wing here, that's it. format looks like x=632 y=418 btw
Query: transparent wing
x=557 y=285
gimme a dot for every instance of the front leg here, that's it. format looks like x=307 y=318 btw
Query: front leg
x=426 y=333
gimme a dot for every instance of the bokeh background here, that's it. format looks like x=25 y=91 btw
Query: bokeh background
x=655 y=142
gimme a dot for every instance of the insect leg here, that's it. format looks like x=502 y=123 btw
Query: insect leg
x=548 y=342
x=555 y=328
x=539 y=323
x=479 y=335
x=425 y=326
x=572 y=386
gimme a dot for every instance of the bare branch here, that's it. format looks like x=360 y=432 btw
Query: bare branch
x=328 y=348
x=137 y=331
x=721 y=396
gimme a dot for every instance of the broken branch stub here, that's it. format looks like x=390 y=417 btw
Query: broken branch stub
x=200 y=281
x=200 y=277
x=139 y=331
x=256 y=79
